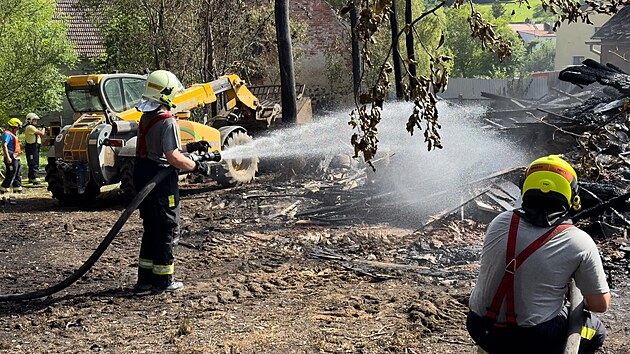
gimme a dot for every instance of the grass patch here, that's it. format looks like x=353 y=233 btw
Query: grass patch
x=521 y=12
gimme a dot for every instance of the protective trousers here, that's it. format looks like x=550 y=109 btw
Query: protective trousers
x=545 y=338
x=160 y=217
x=14 y=175
x=32 y=161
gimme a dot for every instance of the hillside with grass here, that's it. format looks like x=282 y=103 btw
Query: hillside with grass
x=519 y=12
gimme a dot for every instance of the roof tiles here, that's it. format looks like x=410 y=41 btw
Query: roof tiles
x=81 y=31
x=617 y=28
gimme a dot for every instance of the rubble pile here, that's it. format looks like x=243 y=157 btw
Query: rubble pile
x=590 y=126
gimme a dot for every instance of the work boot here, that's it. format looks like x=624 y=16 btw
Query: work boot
x=142 y=287
x=172 y=287
x=146 y=278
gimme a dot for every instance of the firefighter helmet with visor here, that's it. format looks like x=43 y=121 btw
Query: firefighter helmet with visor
x=553 y=177
x=161 y=87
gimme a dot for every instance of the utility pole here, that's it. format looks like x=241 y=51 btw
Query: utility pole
x=285 y=56
x=393 y=19
x=356 y=57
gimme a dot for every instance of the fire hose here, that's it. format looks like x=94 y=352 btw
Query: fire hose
x=113 y=232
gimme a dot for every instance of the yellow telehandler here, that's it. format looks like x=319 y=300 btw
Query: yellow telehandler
x=98 y=148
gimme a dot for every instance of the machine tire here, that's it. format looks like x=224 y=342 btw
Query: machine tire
x=236 y=171
x=127 y=186
x=54 y=178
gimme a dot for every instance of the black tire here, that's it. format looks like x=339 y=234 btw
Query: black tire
x=236 y=171
x=54 y=178
x=127 y=166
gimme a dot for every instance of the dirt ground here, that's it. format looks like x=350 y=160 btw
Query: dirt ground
x=257 y=280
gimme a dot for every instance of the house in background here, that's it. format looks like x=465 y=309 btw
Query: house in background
x=574 y=43
x=613 y=39
x=87 y=43
x=82 y=34
x=534 y=31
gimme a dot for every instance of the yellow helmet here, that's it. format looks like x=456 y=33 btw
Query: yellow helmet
x=161 y=87
x=15 y=123
x=553 y=177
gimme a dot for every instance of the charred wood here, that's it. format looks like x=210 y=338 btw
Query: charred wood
x=591 y=71
x=601 y=207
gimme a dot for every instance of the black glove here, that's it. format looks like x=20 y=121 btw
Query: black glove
x=199 y=146
x=202 y=169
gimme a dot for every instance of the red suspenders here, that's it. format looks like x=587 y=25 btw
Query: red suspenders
x=141 y=150
x=506 y=287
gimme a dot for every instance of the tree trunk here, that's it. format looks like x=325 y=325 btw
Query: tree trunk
x=411 y=53
x=396 y=52
x=285 y=56
x=210 y=63
x=356 y=57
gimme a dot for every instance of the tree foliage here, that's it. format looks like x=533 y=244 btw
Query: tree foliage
x=33 y=46
x=540 y=57
x=198 y=40
x=470 y=59
x=422 y=89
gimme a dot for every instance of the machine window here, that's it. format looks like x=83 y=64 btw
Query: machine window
x=113 y=95
x=84 y=100
x=133 y=88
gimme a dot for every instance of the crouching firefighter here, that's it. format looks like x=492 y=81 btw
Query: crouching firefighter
x=158 y=147
x=529 y=256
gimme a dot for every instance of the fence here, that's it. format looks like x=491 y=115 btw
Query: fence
x=532 y=88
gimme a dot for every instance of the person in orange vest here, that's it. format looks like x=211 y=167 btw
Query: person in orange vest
x=529 y=256
x=11 y=149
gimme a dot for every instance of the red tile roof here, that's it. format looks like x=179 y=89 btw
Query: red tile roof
x=81 y=31
x=535 y=29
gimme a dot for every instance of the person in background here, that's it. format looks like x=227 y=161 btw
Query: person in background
x=11 y=150
x=528 y=258
x=158 y=148
x=33 y=136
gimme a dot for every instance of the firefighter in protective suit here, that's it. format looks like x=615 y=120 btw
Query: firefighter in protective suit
x=158 y=147
x=529 y=256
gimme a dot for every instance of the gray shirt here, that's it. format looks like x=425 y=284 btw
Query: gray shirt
x=161 y=138
x=540 y=283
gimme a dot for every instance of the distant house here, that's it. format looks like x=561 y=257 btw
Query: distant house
x=534 y=31
x=82 y=33
x=614 y=40
x=574 y=44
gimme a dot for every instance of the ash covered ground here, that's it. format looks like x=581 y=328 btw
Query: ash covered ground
x=258 y=279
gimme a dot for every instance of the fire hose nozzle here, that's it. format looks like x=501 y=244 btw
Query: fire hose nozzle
x=214 y=156
x=207 y=156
